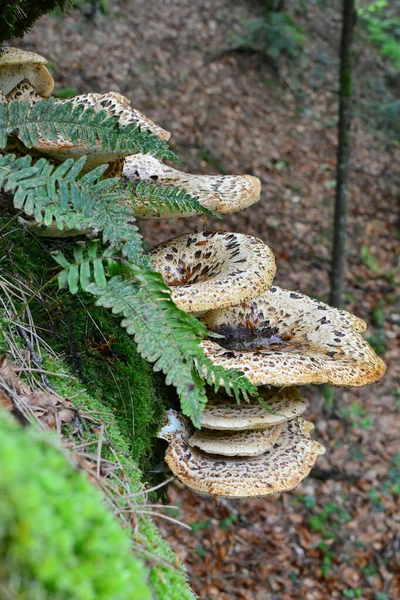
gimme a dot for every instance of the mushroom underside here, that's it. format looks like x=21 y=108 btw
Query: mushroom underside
x=221 y=194
x=214 y=269
x=285 y=338
x=17 y=65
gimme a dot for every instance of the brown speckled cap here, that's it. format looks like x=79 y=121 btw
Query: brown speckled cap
x=285 y=338
x=17 y=65
x=277 y=470
x=251 y=442
x=221 y=194
x=213 y=269
x=223 y=413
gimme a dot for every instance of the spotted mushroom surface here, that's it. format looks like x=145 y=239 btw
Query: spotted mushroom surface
x=221 y=194
x=250 y=442
x=223 y=413
x=279 y=469
x=213 y=269
x=285 y=338
x=17 y=65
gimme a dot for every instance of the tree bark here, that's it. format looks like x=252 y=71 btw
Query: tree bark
x=343 y=154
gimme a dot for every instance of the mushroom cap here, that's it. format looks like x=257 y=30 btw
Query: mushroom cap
x=17 y=65
x=221 y=194
x=222 y=413
x=277 y=470
x=212 y=269
x=251 y=442
x=282 y=338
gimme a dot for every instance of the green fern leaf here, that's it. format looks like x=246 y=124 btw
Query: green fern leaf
x=175 y=199
x=49 y=193
x=164 y=334
x=77 y=124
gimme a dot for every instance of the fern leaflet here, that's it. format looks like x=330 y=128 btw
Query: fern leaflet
x=79 y=125
x=175 y=199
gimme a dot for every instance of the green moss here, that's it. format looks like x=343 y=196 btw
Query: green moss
x=57 y=540
x=74 y=327
x=121 y=389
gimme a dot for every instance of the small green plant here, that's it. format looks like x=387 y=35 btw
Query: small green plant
x=328 y=521
x=378 y=338
x=353 y=593
x=273 y=36
x=358 y=416
x=327 y=559
x=369 y=259
x=382 y=23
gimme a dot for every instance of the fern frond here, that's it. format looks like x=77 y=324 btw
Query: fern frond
x=175 y=199
x=165 y=335
x=47 y=192
x=77 y=124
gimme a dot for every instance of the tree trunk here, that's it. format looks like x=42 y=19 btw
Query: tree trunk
x=343 y=154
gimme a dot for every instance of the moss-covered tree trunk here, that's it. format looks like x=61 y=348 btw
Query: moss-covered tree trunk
x=343 y=154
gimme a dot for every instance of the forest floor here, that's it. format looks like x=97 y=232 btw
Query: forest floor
x=338 y=534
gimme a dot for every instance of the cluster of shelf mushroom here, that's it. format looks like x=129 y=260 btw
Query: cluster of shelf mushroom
x=279 y=339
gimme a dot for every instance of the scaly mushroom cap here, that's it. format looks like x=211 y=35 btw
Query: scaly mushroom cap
x=221 y=194
x=212 y=269
x=285 y=338
x=278 y=470
x=17 y=65
x=236 y=443
x=224 y=414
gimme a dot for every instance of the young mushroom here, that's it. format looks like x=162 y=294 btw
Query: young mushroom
x=214 y=269
x=279 y=469
x=17 y=65
x=285 y=338
x=222 y=194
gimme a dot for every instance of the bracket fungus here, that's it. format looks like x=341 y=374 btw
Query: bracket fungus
x=211 y=268
x=222 y=194
x=278 y=469
x=285 y=338
x=17 y=65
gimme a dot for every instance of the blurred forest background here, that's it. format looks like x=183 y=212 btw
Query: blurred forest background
x=251 y=86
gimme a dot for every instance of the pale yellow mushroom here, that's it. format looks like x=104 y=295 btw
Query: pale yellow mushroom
x=17 y=65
